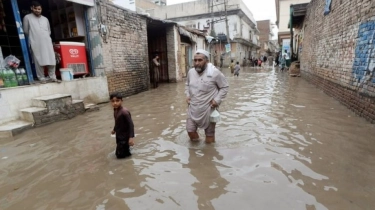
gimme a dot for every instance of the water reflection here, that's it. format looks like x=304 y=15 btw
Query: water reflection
x=282 y=144
x=209 y=185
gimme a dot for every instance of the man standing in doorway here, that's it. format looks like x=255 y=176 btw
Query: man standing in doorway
x=215 y=58
x=38 y=30
x=206 y=87
x=222 y=60
x=155 y=72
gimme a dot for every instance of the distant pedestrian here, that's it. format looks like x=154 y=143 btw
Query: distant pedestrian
x=124 y=127
x=283 y=62
x=255 y=62
x=215 y=58
x=237 y=69
x=222 y=60
x=278 y=58
x=155 y=73
x=244 y=62
x=259 y=62
x=231 y=66
x=264 y=61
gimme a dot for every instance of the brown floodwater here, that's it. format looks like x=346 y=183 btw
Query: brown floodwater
x=282 y=144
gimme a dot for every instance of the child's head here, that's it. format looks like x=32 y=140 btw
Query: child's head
x=116 y=100
x=238 y=62
x=232 y=61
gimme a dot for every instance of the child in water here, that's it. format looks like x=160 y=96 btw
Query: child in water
x=124 y=127
x=237 y=69
x=231 y=66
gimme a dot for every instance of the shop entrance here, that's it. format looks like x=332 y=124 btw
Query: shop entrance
x=157 y=44
x=67 y=24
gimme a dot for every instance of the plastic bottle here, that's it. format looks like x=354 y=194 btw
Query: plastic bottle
x=6 y=78
x=19 y=77
x=1 y=78
x=10 y=78
x=24 y=77
x=13 y=78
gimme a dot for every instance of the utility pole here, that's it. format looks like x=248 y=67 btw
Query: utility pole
x=226 y=20
x=212 y=29
x=212 y=16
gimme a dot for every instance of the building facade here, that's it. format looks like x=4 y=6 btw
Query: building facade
x=337 y=41
x=209 y=16
x=267 y=45
x=283 y=17
x=119 y=45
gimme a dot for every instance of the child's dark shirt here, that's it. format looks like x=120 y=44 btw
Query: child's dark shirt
x=124 y=126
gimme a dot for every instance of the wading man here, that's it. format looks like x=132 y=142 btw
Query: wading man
x=37 y=28
x=206 y=87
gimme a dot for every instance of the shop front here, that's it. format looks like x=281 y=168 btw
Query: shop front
x=68 y=26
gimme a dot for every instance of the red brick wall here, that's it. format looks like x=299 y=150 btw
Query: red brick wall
x=125 y=51
x=264 y=28
x=337 y=52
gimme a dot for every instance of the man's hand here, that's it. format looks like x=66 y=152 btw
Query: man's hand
x=131 y=142
x=214 y=104
x=188 y=100
x=113 y=132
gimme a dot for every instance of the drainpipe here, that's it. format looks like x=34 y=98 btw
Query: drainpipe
x=21 y=35
x=291 y=32
x=91 y=62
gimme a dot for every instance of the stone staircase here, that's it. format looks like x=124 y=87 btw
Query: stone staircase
x=45 y=110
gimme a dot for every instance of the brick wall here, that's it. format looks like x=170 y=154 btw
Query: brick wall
x=172 y=53
x=125 y=50
x=264 y=27
x=338 y=52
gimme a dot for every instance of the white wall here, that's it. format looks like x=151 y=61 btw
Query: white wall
x=285 y=13
x=128 y=4
x=220 y=27
x=91 y=89
x=197 y=7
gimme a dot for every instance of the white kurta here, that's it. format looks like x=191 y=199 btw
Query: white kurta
x=39 y=33
x=202 y=89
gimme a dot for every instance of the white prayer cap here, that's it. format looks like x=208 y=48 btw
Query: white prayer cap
x=204 y=52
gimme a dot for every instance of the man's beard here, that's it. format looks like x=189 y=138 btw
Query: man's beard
x=199 y=69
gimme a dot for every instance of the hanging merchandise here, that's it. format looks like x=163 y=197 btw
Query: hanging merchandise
x=11 y=64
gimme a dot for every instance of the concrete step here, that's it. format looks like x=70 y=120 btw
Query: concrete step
x=77 y=101
x=12 y=128
x=52 y=101
x=89 y=107
x=28 y=114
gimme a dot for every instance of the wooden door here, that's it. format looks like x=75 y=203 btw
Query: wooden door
x=183 y=60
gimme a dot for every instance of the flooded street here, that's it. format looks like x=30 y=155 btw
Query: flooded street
x=282 y=144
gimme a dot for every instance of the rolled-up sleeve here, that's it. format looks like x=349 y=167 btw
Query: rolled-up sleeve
x=223 y=86
x=187 y=93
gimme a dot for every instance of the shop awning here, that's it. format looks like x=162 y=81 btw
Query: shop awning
x=298 y=13
x=84 y=2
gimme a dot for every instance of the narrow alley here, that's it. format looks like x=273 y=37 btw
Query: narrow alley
x=282 y=144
